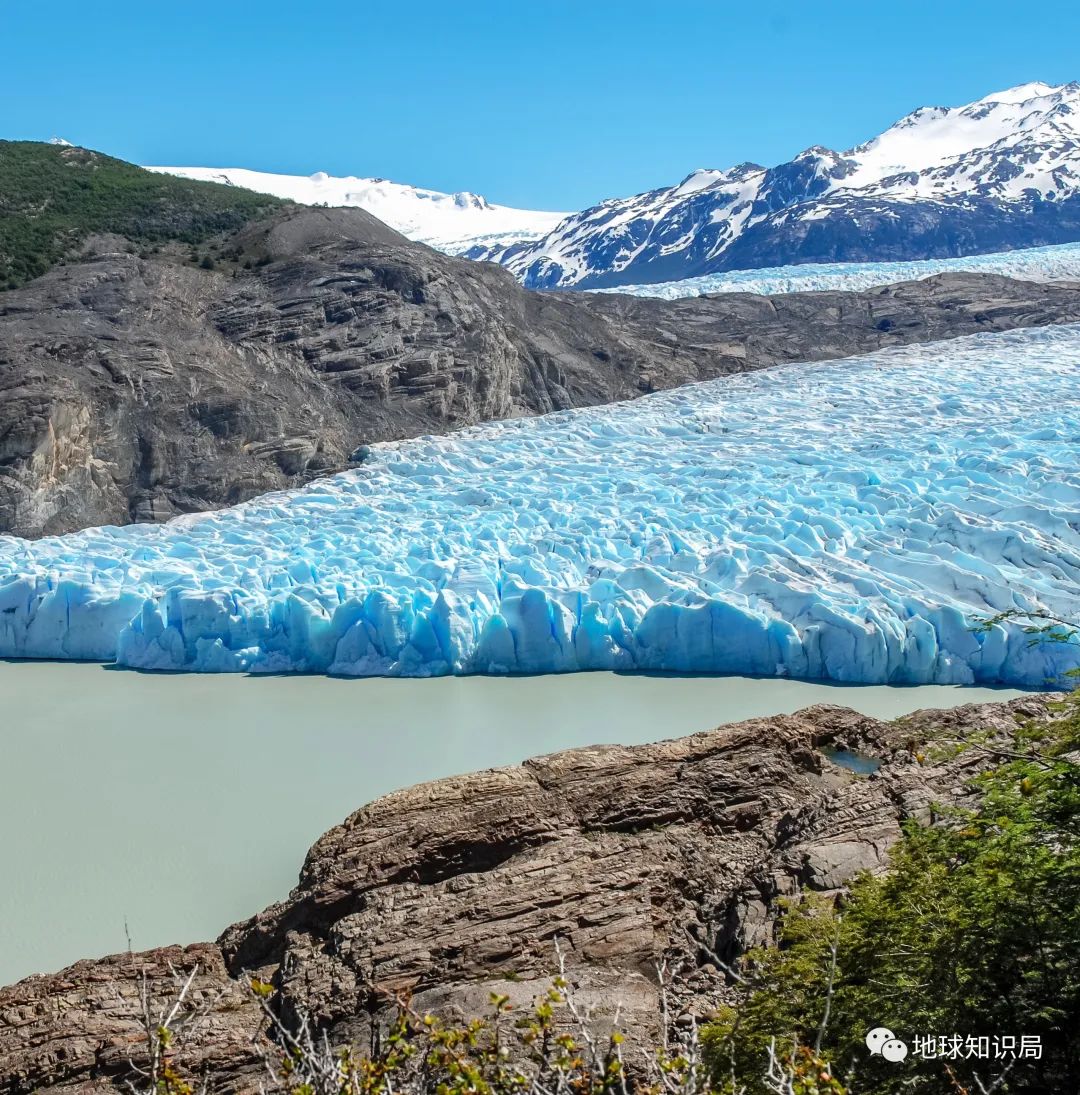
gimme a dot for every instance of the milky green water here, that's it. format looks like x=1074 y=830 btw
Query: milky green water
x=179 y=804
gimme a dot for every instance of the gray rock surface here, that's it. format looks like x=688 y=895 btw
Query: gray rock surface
x=629 y=856
x=133 y=389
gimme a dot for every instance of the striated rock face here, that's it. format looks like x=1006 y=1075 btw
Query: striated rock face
x=82 y=1027
x=134 y=389
x=629 y=856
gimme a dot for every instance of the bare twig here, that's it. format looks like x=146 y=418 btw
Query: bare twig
x=834 y=946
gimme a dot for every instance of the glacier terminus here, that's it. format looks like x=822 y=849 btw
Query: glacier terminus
x=851 y=521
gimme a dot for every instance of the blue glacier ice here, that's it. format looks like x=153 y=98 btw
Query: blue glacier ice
x=1060 y=262
x=845 y=520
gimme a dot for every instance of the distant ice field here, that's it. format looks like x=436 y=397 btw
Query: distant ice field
x=849 y=521
x=1058 y=263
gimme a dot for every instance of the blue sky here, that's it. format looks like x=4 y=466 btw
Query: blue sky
x=546 y=105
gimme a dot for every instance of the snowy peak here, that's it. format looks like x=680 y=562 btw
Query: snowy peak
x=701 y=179
x=995 y=174
x=1022 y=93
x=932 y=141
x=449 y=222
x=464 y=200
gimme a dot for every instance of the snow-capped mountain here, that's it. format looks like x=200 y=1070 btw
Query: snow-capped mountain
x=448 y=222
x=997 y=174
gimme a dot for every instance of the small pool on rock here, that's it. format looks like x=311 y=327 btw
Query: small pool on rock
x=860 y=763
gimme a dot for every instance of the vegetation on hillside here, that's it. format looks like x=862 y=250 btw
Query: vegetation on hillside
x=554 y=1047
x=53 y=197
x=974 y=934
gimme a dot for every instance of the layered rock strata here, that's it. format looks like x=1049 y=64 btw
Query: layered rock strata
x=628 y=857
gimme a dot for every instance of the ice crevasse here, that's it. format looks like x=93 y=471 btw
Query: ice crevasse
x=848 y=520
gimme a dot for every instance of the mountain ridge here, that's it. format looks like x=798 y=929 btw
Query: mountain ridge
x=996 y=174
x=1000 y=173
x=450 y=222
x=55 y=197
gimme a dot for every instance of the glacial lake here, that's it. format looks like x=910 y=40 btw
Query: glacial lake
x=179 y=804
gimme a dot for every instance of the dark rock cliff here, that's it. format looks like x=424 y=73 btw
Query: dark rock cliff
x=132 y=389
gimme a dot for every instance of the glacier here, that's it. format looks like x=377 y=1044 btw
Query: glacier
x=849 y=520
x=453 y=223
x=1060 y=262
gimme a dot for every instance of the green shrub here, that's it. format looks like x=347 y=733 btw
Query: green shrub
x=974 y=931
x=52 y=198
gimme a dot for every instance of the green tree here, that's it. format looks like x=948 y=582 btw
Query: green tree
x=974 y=931
x=52 y=198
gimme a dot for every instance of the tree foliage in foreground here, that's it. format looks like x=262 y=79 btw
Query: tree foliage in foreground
x=975 y=931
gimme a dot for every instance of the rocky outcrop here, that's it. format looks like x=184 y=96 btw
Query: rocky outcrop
x=629 y=856
x=82 y=1028
x=132 y=389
